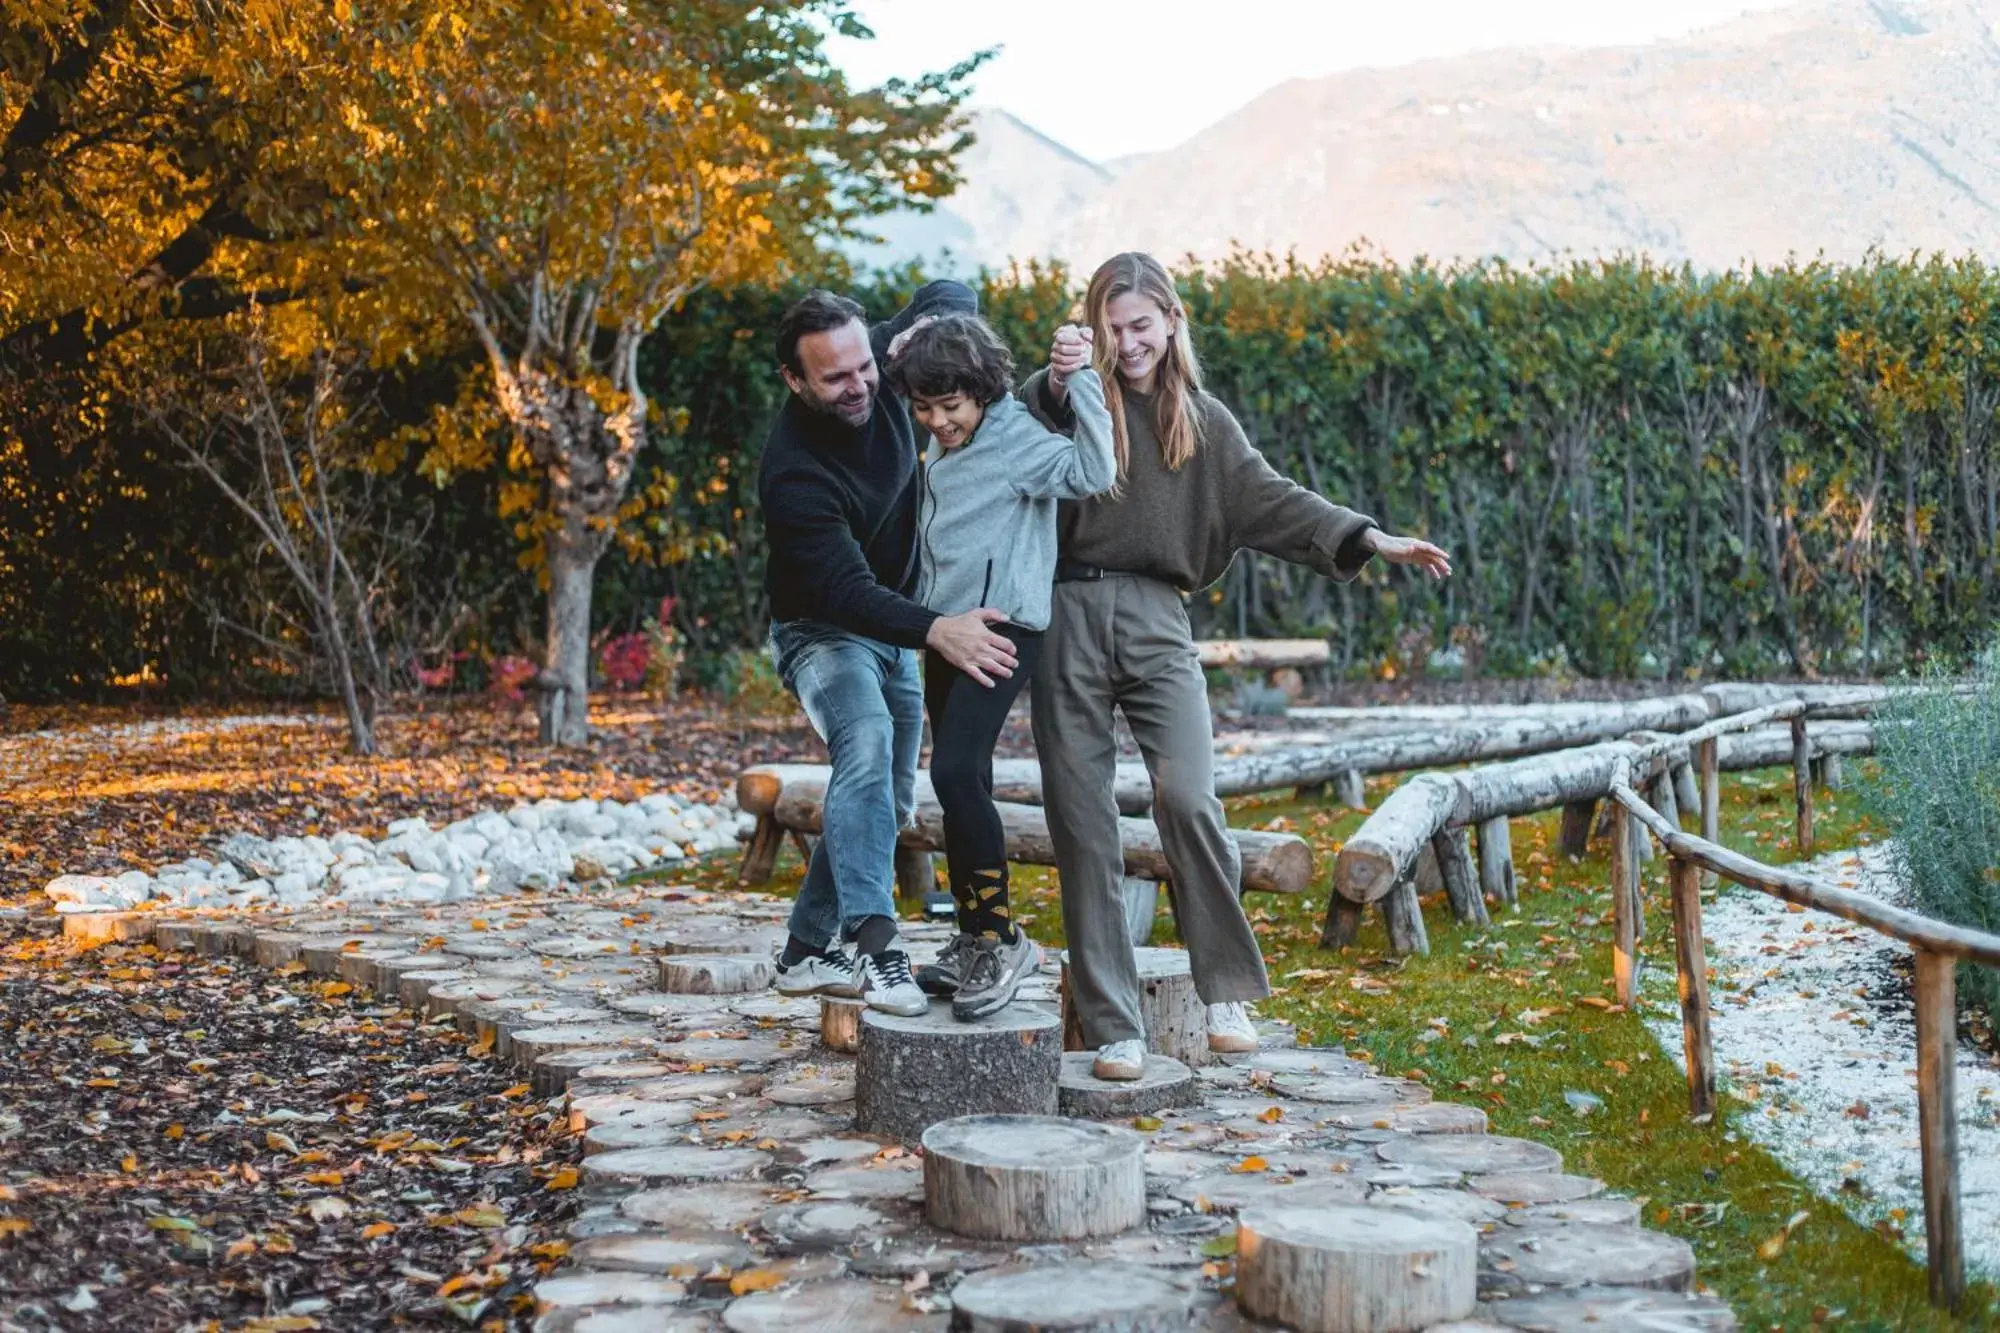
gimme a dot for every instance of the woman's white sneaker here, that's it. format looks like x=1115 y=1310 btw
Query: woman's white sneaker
x=829 y=973
x=886 y=983
x=1121 y=1061
x=1230 y=1029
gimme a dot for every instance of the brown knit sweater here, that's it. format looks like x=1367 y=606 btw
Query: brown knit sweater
x=1185 y=527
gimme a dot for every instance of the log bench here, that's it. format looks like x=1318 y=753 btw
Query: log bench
x=1272 y=862
x=1432 y=812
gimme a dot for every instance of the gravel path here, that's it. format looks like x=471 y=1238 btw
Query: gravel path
x=1813 y=1029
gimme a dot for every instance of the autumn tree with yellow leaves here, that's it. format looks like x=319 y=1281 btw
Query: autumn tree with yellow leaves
x=555 y=177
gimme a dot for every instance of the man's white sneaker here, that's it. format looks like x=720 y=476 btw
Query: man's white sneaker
x=1122 y=1061
x=886 y=983
x=829 y=973
x=1230 y=1029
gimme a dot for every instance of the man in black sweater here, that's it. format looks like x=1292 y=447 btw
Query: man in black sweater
x=838 y=487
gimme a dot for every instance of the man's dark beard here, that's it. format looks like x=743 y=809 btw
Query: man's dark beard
x=829 y=408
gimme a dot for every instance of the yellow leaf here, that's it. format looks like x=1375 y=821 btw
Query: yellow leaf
x=550 y=1249
x=481 y=1215
x=100 y=1083
x=1596 y=1002
x=238 y=1248
x=754 y=1279
x=290 y=969
x=334 y=989
x=174 y=1130
x=277 y=1142
x=1146 y=1124
x=1250 y=1166
x=324 y=1178
x=130 y=1164
x=15 y=1226
x=518 y=1090
x=1272 y=1115
x=564 y=1179
x=377 y=1229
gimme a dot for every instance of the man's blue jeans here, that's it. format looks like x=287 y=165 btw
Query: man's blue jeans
x=866 y=701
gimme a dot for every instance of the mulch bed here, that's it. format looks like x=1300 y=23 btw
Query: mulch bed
x=191 y=1144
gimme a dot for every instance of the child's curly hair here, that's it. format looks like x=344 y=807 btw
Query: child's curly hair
x=954 y=354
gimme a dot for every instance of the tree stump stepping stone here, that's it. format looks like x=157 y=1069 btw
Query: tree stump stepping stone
x=612 y=1108
x=660 y=1006
x=1156 y=1248
x=414 y=989
x=576 y=946
x=1566 y=1255
x=1337 y=1090
x=1170 y=1010
x=684 y=1256
x=621 y=1134
x=1164 y=1082
x=720 y=937
x=1036 y=1178
x=912 y=1072
x=903 y=1257
x=1072 y=1298
x=1476 y=1209
x=1598 y=1212
x=637 y=1319
x=676 y=1086
x=824 y=1224
x=526 y=1045
x=821 y=1089
x=1307 y=1061
x=448 y=998
x=711 y=1207
x=816 y=1152
x=1354 y=1270
x=1602 y=1309
x=588 y=1289
x=570 y=1018
x=840 y=1023
x=716 y=974
x=830 y=1307
x=653 y=1166
x=1233 y=1191
x=898 y=1178
x=1434 y=1118
x=1532 y=1187
x=778 y=1008
x=1472 y=1154
x=270 y=948
x=552 y=1073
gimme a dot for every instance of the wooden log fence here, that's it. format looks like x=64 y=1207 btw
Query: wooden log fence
x=1938 y=947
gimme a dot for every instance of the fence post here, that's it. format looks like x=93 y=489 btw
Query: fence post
x=1685 y=878
x=1802 y=786
x=1624 y=907
x=1937 y=1124
x=1708 y=758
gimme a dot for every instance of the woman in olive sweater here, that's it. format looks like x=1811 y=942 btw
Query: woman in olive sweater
x=1191 y=492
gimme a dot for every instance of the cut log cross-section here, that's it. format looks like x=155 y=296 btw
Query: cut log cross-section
x=911 y=1072
x=1033 y=1178
x=1175 y=1019
x=1164 y=1082
x=1077 y=1297
x=1348 y=1269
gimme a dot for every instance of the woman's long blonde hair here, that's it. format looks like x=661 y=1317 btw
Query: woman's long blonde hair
x=1176 y=380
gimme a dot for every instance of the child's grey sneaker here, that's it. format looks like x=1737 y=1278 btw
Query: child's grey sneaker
x=996 y=972
x=828 y=973
x=886 y=984
x=944 y=977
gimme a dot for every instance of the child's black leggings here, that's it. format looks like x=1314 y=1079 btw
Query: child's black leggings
x=966 y=718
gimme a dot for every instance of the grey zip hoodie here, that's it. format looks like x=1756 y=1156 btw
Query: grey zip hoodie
x=987 y=513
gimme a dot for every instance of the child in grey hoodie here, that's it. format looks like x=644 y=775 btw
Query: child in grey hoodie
x=992 y=475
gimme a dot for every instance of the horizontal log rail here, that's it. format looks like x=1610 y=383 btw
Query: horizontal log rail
x=1938 y=947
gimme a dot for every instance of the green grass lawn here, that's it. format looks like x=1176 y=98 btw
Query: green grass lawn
x=1511 y=1017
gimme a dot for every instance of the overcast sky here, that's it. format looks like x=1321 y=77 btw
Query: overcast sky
x=1177 y=66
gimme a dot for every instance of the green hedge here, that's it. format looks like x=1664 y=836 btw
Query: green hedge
x=1638 y=471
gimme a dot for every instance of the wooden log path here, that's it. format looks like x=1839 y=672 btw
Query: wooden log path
x=720 y=1138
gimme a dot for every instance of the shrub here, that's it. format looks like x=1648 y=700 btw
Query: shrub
x=1937 y=787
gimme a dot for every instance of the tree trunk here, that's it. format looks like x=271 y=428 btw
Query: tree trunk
x=565 y=695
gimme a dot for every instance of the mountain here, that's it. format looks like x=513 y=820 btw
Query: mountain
x=1017 y=181
x=1830 y=127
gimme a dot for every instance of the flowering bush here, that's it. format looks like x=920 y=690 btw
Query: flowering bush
x=506 y=677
